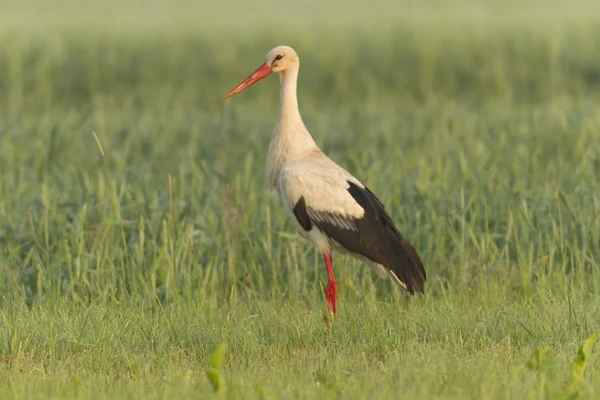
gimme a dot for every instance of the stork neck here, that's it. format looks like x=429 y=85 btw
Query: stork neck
x=291 y=139
x=289 y=121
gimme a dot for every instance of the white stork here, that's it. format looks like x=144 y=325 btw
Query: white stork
x=328 y=205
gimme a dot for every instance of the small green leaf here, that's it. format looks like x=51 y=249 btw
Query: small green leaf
x=219 y=356
x=214 y=373
x=537 y=362
x=581 y=359
x=214 y=376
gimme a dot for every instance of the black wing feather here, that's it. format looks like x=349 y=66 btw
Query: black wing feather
x=376 y=237
x=301 y=215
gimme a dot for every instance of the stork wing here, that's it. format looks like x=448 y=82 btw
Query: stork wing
x=349 y=213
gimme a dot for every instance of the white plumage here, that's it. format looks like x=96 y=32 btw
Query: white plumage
x=325 y=190
x=328 y=205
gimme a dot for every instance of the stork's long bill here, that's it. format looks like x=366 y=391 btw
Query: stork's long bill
x=328 y=205
x=260 y=73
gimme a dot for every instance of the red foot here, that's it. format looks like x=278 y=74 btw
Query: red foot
x=331 y=296
x=330 y=289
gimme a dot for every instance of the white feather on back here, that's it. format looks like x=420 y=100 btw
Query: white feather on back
x=322 y=183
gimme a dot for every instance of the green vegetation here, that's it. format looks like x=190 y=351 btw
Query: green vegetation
x=141 y=255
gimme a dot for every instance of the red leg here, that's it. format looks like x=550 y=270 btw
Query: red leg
x=331 y=288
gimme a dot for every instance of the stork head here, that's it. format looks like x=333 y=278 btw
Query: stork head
x=280 y=59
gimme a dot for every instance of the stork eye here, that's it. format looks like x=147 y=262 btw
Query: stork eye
x=279 y=57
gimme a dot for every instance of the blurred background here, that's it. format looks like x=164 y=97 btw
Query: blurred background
x=113 y=123
x=137 y=234
x=219 y=16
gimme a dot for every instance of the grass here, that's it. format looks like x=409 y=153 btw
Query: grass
x=137 y=235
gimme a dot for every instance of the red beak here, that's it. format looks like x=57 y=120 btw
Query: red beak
x=261 y=72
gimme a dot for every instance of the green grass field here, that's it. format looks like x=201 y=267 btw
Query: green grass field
x=137 y=234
